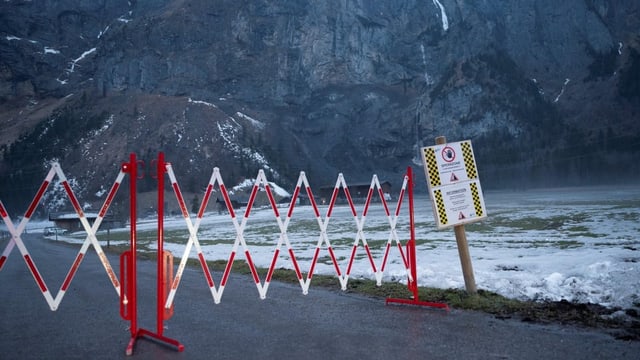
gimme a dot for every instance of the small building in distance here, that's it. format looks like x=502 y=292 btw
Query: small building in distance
x=70 y=221
x=358 y=192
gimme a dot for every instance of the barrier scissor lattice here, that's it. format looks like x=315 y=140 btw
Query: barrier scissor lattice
x=323 y=238
x=216 y=293
x=16 y=239
x=239 y=227
x=283 y=222
x=360 y=222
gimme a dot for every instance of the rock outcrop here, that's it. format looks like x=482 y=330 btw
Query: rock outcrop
x=546 y=90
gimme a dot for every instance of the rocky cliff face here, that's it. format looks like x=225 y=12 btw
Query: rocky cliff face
x=543 y=88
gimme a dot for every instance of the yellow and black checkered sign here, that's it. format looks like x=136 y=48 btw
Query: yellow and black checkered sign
x=469 y=162
x=441 y=210
x=477 y=203
x=432 y=167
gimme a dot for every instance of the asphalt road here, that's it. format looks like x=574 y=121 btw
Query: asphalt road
x=325 y=324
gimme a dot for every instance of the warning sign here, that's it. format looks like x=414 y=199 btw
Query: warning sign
x=449 y=163
x=458 y=204
x=453 y=183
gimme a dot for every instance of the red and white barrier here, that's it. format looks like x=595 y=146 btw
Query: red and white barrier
x=89 y=240
x=166 y=293
x=323 y=239
x=283 y=220
x=216 y=292
x=304 y=282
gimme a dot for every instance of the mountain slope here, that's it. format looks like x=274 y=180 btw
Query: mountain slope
x=547 y=91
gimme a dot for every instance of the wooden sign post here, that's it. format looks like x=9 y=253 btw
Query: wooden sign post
x=455 y=193
x=465 y=259
x=463 y=247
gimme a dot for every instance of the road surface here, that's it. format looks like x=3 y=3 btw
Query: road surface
x=325 y=324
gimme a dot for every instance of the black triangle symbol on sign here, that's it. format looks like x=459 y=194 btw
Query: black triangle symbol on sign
x=461 y=216
x=454 y=177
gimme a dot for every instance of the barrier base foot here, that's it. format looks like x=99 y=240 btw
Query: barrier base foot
x=418 y=303
x=155 y=337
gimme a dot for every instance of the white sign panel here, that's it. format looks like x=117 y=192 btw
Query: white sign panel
x=453 y=183
x=458 y=204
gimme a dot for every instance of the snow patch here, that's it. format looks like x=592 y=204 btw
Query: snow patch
x=443 y=14
x=202 y=103
x=427 y=79
x=228 y=132
x=247 y=184
x=566 y=81
x=100 y=192
x=48 y=50
x=103 y=31
x=278 y=190
x=254 y=122
x=81 y=57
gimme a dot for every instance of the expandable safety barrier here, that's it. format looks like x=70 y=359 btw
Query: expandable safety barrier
x=168 y=284
x=261 y=183
x=16 y=233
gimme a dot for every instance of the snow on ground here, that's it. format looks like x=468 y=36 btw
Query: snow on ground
x=578 y=244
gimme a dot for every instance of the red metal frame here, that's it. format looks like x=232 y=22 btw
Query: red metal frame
x=128 y=297
x=412 y=282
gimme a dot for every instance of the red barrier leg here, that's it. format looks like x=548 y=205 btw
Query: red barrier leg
x=162 y=266
x=129 y=295
x=412 y=283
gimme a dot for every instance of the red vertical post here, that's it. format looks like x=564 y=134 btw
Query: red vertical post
x=161 y=168
x=165 y=258
x=160 y=286
x=133 y=219
x=412 y=282
x=131 y=296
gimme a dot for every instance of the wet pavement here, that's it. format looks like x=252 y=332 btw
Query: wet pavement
x=325 y=324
